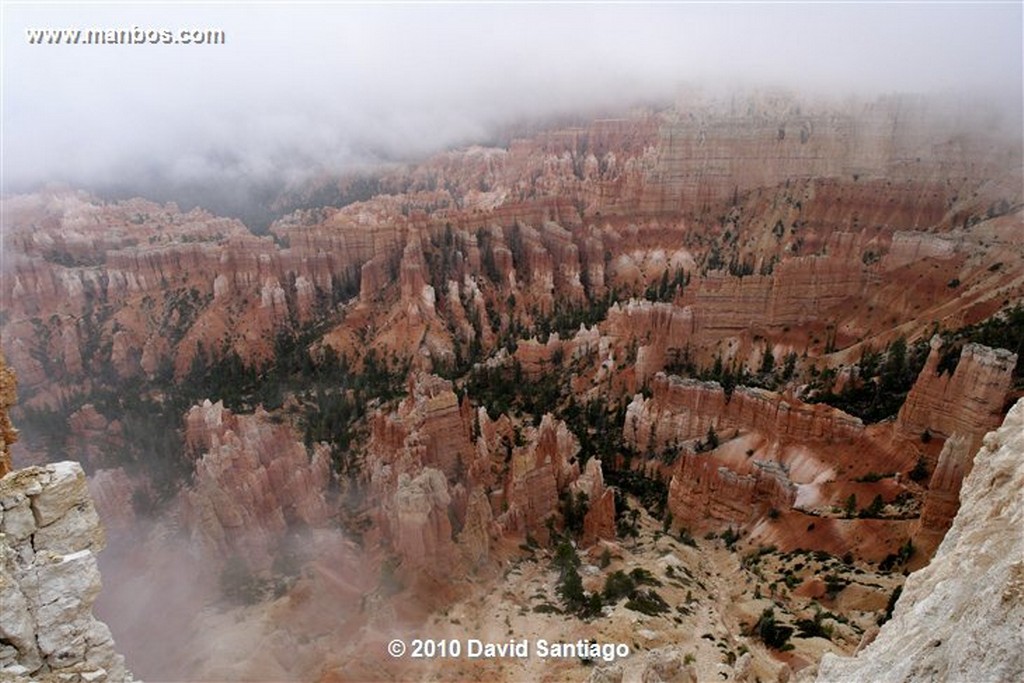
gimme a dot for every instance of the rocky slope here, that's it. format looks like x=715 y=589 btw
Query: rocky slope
x=49 y=537
x=962 y=616
x=253 y=480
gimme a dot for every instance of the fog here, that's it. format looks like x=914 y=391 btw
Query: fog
x=299 y=89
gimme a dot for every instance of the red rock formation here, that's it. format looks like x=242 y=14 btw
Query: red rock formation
x=114 y=493
x=659 y=330
x=799 y=290
x=772 y=448
x=681 y=410
x=599 y=520
x=908 y=247
x=540 y=473
x=253 y=478
x=412 y=455
x=536 y=358
x=8 y=398
x=942 y=499
x=703 y=489
x=92 y=437
x=561 y=216
x=455 y=480
x=420 y=527
x=968 y=402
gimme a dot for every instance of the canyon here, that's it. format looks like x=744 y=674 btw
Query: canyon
x=749 y=347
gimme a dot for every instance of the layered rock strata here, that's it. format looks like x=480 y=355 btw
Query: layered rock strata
x=967 y=401
x=684 y=409
x=960 y=406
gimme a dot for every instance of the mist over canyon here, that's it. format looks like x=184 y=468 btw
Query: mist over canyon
x=689 y=351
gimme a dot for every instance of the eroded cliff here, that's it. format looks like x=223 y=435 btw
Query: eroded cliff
x=962 y=616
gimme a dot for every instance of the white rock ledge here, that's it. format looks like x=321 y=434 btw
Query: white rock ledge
x=49 y=534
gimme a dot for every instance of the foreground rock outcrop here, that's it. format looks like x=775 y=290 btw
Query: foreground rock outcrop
x=962 y=617
x=49 y=537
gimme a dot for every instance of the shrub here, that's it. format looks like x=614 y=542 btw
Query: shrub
x=768 y=630
x=618 y=585
x=891 y=605
x=851 y=505
x=239 y=584
x=647 y=602
x=920 y=471
x=686 y=538
x=814 y=628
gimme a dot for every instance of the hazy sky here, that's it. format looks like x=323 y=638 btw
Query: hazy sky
x=300 y=85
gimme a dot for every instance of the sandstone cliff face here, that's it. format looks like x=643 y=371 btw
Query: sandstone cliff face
x=539 y=474
x=253 y=478
x=425 y=474
x=962 y=616
x=49 y=535
x=967 y=402
x=684 y=409
x=960 y=406
x=775 y=452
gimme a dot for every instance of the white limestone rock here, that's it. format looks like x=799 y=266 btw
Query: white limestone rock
x=49 y=532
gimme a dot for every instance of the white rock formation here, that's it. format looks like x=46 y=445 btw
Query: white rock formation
x=49 y=534
x=961 y=618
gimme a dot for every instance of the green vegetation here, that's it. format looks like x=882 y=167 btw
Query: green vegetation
x=814 y=627
x=874 y=509
x=898 y=559
x=1004 y=330
x=574 y=509
x=652 y=493
x=891 y=605
x=872 y=477
x=667 y=289
x=878 y=383
x=771 y=633
x=620 y=585
x=239 y=584
x=851 y=505
x=647 y=602
x=920 y=472
x=570 y=584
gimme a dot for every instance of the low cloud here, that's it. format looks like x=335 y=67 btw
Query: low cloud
x=301 y=89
